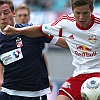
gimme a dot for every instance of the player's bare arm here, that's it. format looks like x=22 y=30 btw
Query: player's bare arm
x=62 y=43
x=1 y=75
x=31 y=31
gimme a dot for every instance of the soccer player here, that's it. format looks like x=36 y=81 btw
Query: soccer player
x=20 y=60
x=22 y=16
x=81 y=30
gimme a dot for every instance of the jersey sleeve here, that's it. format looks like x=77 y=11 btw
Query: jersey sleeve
x=60 y=26
x=54 y=28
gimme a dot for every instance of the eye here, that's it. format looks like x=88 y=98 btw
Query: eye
x=6 y=12
x=20 y=15
x=85 y=12
x=77 y=13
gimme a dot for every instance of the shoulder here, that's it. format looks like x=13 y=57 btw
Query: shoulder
x=22 y=25
x=96 y=18
x=64 y=18
x=68 y=17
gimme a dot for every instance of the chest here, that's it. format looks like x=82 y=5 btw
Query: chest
x=90 y=37
x=8 y=43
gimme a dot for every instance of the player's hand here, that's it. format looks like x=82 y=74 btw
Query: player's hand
x=51 y=85
x=9 y=30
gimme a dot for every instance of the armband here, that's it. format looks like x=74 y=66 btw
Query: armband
x=54 y=40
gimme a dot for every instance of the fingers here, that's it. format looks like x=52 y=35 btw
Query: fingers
x=7 y=30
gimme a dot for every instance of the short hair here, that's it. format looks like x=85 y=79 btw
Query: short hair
x=78 y=3
x=9 y=2
x=22 y=6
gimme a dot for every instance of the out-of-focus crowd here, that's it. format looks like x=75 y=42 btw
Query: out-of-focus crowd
x=43 y=5
x=40 y=5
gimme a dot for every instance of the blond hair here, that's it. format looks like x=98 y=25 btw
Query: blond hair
x=22 y=6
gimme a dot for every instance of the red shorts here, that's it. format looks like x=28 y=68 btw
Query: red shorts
x=72 y=86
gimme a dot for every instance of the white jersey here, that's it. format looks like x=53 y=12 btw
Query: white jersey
x=84 y=43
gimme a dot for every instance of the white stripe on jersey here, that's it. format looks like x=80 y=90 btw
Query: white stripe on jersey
x=26 y=93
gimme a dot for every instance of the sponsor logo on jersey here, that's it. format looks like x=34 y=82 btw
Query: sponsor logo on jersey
x=66 y=85
x=92 y=39
x=11 y=56
x=83 y=48
x=16 y=53
x=84 y=51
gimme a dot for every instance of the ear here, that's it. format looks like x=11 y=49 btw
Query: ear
x=92 y=9
x=29 y=17
x=72 y=10
x=14 y=13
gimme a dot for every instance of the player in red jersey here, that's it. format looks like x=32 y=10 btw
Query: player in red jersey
x=23 y=73
x=81 y=30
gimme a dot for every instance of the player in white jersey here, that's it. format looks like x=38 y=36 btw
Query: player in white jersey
x=81 y=30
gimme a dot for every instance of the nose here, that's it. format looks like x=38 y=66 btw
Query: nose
x=81 y=16
x=2 y=16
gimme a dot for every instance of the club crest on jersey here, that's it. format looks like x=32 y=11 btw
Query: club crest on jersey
x=92 y=39
x=19 y=42
x=66 y=85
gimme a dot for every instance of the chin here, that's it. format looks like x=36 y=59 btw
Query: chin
x=82 y=25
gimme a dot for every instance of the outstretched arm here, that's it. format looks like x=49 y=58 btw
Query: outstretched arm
x=31 y=31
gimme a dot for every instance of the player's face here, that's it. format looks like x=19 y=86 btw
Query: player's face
x=83 y=15
x=6 y=16
x=22 y=16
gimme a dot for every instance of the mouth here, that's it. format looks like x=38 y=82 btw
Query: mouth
x=3 y=23
x=81 y=21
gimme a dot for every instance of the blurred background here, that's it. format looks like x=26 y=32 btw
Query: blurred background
x=59 y=59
